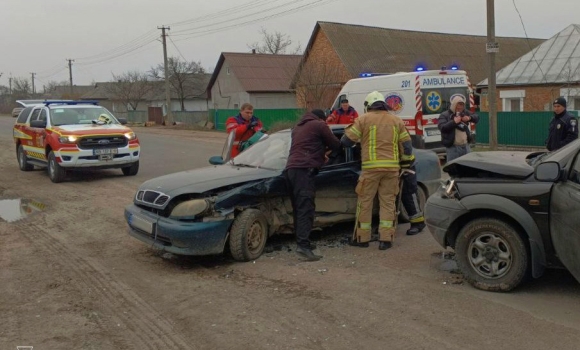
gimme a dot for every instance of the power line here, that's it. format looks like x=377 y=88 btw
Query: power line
x=177 y=48
x=528 y=42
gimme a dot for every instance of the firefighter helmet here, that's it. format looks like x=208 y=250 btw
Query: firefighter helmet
x=373 y=97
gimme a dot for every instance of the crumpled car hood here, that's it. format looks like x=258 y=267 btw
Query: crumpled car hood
x=205 y=179
x=512 y=164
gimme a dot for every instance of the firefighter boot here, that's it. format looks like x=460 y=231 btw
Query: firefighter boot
x=385 y=245
x=415 y=228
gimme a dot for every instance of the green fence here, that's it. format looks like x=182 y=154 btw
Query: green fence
x=137 y=116
x=516 y=128
x=268 y=116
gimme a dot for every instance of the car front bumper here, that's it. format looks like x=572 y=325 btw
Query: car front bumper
x=84 y=158
x=177 y=237
x=440 y=214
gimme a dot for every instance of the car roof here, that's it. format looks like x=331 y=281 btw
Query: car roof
x=26 y=103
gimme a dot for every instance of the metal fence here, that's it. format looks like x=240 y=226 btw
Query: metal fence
x=268 y=116
x=135 y=116
x=516 y=128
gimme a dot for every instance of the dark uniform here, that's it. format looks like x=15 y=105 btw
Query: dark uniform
x=410 y=201
x=563 y=130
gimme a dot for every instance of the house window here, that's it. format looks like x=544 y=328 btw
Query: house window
x=512 y=100
x=575 y=104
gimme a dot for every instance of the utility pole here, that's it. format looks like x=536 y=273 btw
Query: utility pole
x=70 y=61
x=492 y=48
x=33 y=90
x=10 y=84
x=169 y=116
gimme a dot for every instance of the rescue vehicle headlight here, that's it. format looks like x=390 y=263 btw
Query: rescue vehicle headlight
x=189 y=209
x=130 y=135
x=67 y=139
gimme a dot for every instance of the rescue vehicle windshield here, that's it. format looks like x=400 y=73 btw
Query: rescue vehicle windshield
x=68 y=115
x=268 y=153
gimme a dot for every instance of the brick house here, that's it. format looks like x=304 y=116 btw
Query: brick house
x=534 y=80
x=338 y=52
x=260 y=79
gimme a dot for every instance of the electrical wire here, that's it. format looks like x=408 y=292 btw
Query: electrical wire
x=185 y=59
x=528 y=42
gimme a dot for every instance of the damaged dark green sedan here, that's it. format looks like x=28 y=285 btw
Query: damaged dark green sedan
x=240 y=203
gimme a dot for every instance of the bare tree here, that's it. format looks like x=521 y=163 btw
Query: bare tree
x=183 y=77
x=317 y=83
x=51 y=85
x=130 y=88
x=21 y=86
x=274 y=43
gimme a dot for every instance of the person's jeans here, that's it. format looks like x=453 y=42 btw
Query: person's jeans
x=302 y=190
x=456 y=151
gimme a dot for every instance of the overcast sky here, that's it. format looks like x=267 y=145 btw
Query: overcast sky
x=115 y=36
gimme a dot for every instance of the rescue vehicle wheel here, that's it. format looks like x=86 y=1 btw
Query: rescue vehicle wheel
x=422 y=196
x=55 y=171
x=248 y=235
x=22 y=162
x=131 y=170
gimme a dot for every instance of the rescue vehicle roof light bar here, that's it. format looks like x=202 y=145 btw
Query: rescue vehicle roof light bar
x=71 y=102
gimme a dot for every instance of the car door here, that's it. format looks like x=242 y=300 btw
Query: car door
x=335 y=185
x=35 y=148
x=565 y=219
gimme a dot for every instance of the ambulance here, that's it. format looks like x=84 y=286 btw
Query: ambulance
x=416 y=97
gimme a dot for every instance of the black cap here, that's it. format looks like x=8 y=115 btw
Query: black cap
x=560 y=101
x=344 y=100
x=319 y=113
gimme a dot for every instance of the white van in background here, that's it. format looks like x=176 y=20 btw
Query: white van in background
x=416 y=97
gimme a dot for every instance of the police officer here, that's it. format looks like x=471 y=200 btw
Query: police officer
x=563 y=127
x=385 y=147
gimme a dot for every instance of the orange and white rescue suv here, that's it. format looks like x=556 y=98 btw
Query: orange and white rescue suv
x=69 y=135
x=416 y=97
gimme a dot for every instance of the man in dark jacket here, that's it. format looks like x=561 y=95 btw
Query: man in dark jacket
x=310 y=139
x=563 y=127
x=454 y=125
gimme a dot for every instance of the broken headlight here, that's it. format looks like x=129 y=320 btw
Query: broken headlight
x=449 y=189
x=188 y=210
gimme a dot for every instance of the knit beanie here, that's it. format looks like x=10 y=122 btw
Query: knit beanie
x=560 y=101
x=455 y=100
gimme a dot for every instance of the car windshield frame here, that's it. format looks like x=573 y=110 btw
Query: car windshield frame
x=269 y=153
x=561 y=155
x=70 y=115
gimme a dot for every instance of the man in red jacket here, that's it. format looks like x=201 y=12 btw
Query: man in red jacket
x=245 y=125
x=344 y=115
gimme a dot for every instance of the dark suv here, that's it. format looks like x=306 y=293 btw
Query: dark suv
x=509 y=215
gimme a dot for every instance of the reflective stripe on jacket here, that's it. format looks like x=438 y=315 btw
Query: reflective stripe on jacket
x=381 y=135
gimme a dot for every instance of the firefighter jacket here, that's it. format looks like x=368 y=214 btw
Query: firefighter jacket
x=385 y=142
x=244 y=129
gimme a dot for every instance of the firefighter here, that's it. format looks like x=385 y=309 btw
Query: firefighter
x=346 y=114
x=385 y=147
x=245 y=125
x=410 y=201
x=563 y=127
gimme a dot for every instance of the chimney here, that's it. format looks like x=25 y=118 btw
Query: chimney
x=253 y=51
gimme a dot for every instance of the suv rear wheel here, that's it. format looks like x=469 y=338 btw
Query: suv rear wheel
x=22 y=161
x=492 y=255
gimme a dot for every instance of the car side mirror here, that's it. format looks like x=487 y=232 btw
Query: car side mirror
x=38 y=124
x=216 y=160
x=547 y=172
x=123 y=121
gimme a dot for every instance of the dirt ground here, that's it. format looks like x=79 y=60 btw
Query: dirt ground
x=72 y=278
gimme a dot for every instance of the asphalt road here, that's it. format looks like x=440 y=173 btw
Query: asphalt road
x=72 y=278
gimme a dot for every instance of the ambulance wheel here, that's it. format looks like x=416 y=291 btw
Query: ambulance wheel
x=248 y=235
x=22 y=161
x=131 y=170
x=55 y=171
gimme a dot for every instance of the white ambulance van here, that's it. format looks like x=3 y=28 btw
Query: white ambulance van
x=416 y=97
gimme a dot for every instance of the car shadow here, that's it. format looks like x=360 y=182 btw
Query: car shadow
x=553 y=281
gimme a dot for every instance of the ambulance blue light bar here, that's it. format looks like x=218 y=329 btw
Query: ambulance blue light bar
x=420 y=68
x=70 y=102
x=454 y=67
x=365 y=75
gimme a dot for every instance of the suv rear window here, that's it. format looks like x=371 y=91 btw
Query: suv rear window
x=24 y=115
